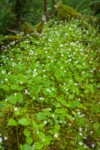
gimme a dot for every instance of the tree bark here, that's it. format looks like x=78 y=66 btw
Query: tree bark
x=44 y=16
x=53 y=7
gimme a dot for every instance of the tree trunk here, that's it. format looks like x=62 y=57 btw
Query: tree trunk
x=44 y=16
x=53 y=7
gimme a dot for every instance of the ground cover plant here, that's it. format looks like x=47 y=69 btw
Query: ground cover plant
x=50 y=89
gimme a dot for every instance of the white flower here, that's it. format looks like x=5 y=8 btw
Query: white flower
x=79 y=113
x=45 y=122
x=55 y=135
x=21 y=82
x=6 y=79
x=93 y=145
x=0 y=140
x=5 y=138
x=76 y=84
x=48 y=90
x=44 y=70
x=13 y=64
x=91 y=132
x=37 y=132
x=80 y=134
x=41 y=98
x=15 y=108
x=34 y=70
x=53 y=116
x=44 y=76
x=80 y=129
x=80 y=143
x=85 y=146
x=3 y=72
x=61 y=45
x=60 y=121
x=26 y=91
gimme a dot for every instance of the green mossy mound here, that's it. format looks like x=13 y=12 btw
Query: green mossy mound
x=65 y=12
x=50 y=89
x=27 y=28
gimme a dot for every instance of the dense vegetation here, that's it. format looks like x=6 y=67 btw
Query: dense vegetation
x=50 y=78
x=50 y=89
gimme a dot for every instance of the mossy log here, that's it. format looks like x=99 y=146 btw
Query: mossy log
x=11 y=38
x=65 y=12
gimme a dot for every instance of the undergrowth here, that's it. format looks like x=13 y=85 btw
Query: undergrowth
x=50 y=90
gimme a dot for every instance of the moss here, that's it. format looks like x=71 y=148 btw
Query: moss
x=39 y=27
x=27 y=28
x=65 y=12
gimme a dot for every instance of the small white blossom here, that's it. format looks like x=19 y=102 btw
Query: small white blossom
x=15 y=108
x=80 y=143
x=21 y=82
x=0 y=140
x=85 y=146
x=6 y=79
x=53 y=116
x=80 y=129
x=60 y=121
x=3 y=72
x=93 y=145
x=80 y=134
x=5 y=138
x=76 y=84
x=56 y=135
x=37 y=132
x=91 y=132
x=45 y=122
x=41 y=98
x=79 y=113
x=26 y=91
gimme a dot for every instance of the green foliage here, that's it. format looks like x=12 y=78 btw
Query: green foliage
x=50 y=89
x=7 y=17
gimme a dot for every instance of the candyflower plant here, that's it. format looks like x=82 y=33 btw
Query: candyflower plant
x=50 y=89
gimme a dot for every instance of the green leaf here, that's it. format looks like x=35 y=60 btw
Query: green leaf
x=41 y=135
x=38 y=146
x=26 y=132
x=5 y=88
x=40 y=116
x=29 y=140
x=25 y=147
x=23 y=122
x=14 y=87
x=12 y=122
x=46 y=140
x=69 y=117
x=71 y=96
x=35 y=125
